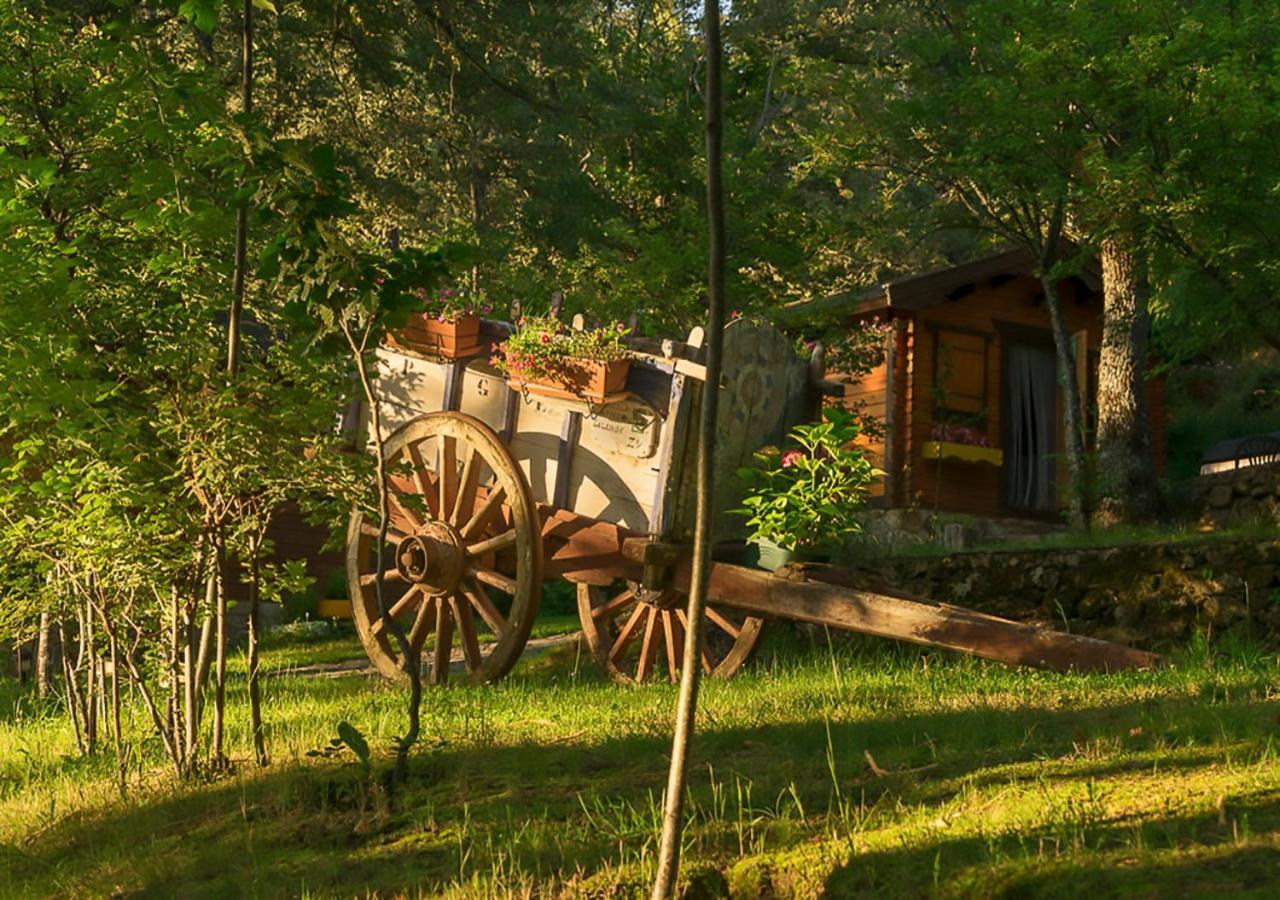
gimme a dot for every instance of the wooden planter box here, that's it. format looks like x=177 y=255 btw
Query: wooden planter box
x=586 y=379
x=450 y=340
x=962 y=452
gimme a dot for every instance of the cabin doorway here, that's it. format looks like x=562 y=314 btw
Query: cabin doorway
x=1031 y=423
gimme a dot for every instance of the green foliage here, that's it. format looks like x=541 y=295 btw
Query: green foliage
x=808 y=495
x=452 y=304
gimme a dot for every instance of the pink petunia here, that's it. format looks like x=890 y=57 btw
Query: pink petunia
x=790 y=458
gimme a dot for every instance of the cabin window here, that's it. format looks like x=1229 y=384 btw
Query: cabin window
x=960 y=377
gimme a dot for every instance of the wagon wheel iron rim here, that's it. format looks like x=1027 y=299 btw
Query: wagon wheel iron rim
x=463 y=556
x=635 y=641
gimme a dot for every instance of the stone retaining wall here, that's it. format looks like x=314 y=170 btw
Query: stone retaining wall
x=1238 y=497
x=1149 y=594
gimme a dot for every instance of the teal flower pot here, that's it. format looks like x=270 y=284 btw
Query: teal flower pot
x=768 y=555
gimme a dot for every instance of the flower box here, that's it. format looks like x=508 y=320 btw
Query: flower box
x=586 y=379
x=449 y=339
x=962 y=452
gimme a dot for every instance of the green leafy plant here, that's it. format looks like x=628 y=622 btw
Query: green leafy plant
x=452 y=304
x=543 y=347
x=808 y=494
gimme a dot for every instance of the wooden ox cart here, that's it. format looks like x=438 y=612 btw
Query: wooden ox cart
x=495 y=491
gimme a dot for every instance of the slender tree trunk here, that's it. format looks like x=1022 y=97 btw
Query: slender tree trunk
x=69 y=686
x=1077 y=508
x=177 y=744
x=43 y=653
x=413 y=661
x=255 y=688
x=686 y=711
x=220 y=657
x=1126 y=482
x=242 y=213
x=90 y=700
x=203 y=661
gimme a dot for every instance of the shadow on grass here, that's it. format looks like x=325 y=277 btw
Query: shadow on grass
x=1176 y=856
x=549 y=809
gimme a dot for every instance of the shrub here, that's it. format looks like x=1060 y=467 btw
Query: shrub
x=808 y=494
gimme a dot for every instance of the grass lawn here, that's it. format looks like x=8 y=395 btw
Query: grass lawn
x=859 y=769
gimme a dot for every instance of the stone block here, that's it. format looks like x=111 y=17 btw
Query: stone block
x=1219 y=496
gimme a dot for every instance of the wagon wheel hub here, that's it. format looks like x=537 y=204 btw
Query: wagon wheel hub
x=433 y=558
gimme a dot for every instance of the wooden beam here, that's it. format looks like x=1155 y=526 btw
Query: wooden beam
x=801 y=593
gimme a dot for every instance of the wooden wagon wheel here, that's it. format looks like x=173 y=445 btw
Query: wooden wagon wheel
x=635 y=641
x=463 y=555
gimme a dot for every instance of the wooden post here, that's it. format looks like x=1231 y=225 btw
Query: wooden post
x=673 y=813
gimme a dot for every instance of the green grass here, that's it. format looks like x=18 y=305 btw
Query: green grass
x=987 y=781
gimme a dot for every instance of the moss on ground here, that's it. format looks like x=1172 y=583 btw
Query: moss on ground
x=869 y=769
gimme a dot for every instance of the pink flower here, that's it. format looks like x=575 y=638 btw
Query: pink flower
x=441 y=318
x=486 y=308
x=620 y=327
x=790 y=458
x=546 y=338
x=736 y=314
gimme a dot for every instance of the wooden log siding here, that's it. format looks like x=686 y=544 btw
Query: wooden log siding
x=997 y=309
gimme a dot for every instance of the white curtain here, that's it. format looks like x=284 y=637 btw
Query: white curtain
x=1029 y=455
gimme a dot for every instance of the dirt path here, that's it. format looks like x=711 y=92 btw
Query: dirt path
x=362 y=666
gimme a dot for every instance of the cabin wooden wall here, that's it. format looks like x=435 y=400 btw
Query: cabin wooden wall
x=996 y=313
x=868 y=396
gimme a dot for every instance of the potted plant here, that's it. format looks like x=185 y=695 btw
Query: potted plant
x=954 y=440
x=448 y=326
x=543 y=356
x=802 y=500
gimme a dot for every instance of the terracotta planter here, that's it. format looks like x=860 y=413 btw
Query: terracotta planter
x=448 y=339
x=587 y=379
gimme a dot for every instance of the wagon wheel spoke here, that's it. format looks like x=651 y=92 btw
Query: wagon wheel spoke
x=648 y=647
x=370 y=529
x=423 y=624
x=613 y=605
x=397 y=609
x=629 y=633
x=675 y=644
x=494 y=579
x=444 y=643
x=389 y=576
x=419 y=470
x=480 y=519
x=447 y=475
x=412 y=517
x=493 y=544
x=480 y=601
x=466 y=623
x=717 y=619
x=467 y=484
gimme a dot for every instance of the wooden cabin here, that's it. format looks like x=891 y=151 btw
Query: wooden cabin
x=968 y=390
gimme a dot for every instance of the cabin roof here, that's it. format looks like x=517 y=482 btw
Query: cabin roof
x=929 y=288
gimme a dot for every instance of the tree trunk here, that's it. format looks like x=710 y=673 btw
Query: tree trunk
x=664 y=884
x=219 y=657
x=251 y=653
x=43 y=653
x=1077 y=515
x=1126 y=477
